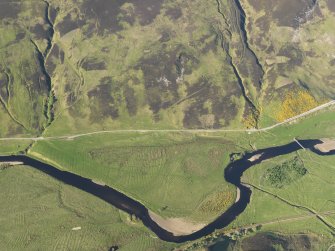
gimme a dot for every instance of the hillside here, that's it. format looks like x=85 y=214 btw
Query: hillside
x=94 y=64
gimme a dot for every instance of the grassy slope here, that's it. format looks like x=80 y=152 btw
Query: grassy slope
x=13 y=147
x=23 y=85
x=38 y=213
x=136 y=61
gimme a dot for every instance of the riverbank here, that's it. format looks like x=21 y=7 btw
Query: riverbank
x=176 y=226
x=166 y=229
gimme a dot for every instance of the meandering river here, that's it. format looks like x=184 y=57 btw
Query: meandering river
x=232 y=173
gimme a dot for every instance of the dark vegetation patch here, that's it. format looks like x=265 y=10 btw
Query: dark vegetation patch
x=91 y=64
x=68 y=23
x=295 y=55
x=249 y=67
x=4 y=84
x=148 y=10
x=174 y=13
x=263 y=23
x=20 y=36
x=108 y=13
x=114 y=248
x=131 y=100
x=289 y=88
x=331 y=5
x=332 y=62
x=293 y=13
x=9 y=10
x=287 y=12
x=196 y=108
x=209 y=43
x=197 y=115
x=224 y=108
x=34 y=79
x=165 y=36
x=55 y=57
x=104 y=100
x=53 y=12
x=285 y=173
x=160 y=76
x=258 y=5
x=41 y=31
x=105 y=12
x=272 y=242
x=185 y=63
x=224 y=244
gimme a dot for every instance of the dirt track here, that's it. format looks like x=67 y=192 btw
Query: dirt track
x=70 y=137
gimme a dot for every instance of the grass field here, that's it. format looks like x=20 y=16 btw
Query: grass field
x=38 y=213
x=313 y=191
x=175 y=175
x=13 y=147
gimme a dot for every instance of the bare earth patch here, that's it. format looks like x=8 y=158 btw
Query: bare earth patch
x=11 y=163
x=176 y=226
x=327 y=145
x=255 y=157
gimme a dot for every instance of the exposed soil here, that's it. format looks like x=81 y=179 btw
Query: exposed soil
x=177 y=226
x=327 y=145
x=255 y=157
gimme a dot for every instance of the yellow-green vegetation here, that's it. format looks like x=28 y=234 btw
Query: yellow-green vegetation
x=12 y=147
x=24 y=85
x=217 y=202
x=173 y=174
x=295 y=103
x=39 y=213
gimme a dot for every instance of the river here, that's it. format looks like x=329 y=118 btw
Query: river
x=232 y=173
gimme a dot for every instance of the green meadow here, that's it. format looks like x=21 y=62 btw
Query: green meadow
x=39 y=213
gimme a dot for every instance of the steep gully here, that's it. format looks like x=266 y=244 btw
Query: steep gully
x=236 y=23
x=232 y=173
x=42 y=58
